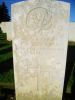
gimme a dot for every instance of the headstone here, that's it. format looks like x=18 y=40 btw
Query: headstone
x=72 y=32
x=6 y=27
x=40 y=37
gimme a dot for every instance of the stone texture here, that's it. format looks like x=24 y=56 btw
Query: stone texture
x=40 y=37
x=72 y=32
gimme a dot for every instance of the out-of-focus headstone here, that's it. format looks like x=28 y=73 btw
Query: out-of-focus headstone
x=72 y=32
x=6 y=27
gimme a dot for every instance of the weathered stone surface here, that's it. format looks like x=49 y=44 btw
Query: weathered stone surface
x=72 y=31
x=40 y=37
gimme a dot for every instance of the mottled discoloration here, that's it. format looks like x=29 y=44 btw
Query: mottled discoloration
x=40 y=40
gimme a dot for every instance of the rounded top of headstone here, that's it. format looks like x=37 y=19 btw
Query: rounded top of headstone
x=43 y=0
x=40 y=0
x=65 y=4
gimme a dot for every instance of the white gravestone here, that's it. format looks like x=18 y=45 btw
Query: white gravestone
x=40 y=37
x=72 y=32
x=6 y=28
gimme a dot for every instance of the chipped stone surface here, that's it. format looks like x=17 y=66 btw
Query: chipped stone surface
x=40 y=36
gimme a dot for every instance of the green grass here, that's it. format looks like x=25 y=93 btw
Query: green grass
x=7 y=77
x=5 y=57
x=70 y=82
x=5 y=42
x=5 y=47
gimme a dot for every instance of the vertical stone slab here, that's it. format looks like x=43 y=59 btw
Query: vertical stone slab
x=72 y=32
x=6 y=27
x=40 y=36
